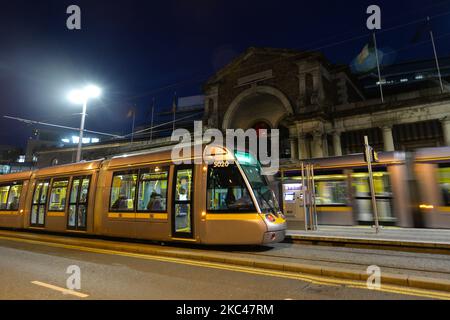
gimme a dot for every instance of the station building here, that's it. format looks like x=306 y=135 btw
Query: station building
x=322 y=109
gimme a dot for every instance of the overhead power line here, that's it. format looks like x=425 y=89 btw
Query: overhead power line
x=60 y=126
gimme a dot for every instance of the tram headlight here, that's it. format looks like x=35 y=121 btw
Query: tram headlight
x=270 y=218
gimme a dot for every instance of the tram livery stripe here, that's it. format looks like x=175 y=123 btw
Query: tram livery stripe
x=150 y=216
x=233 y=216
x=8 y=213
x=56 y=214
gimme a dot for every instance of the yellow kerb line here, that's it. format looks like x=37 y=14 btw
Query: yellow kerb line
x=62 y=290
x=318 y=280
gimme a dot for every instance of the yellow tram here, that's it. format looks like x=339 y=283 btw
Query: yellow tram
x=147 y=196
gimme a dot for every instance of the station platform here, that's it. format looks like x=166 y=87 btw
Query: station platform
x=420 y=240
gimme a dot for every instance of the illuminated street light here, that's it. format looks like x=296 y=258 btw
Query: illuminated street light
x=82 y=97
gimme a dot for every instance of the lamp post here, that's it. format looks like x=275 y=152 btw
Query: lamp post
x=82 y=97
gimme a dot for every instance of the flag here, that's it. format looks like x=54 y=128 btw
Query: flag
x=366 y=60
x=131 y=113
x=366 y=52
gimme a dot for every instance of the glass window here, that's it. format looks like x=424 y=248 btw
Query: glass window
x=153 y=190
x=227 y=191
x=14 y=197
x=58 y=195
x=123 y=191
x=444 y=182
x=183 y=189
x=264 y=195
x=4 y=190
x=381 y=181
x=331 y=190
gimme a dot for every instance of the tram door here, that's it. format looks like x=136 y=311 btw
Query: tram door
x=182 y=210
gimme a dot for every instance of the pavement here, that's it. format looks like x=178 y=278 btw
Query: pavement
x=389 y=238
x=423 y=274
x=34 y=271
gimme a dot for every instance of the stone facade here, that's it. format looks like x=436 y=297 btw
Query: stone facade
x=321 y=105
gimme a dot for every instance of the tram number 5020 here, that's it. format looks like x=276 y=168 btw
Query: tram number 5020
x=221 y=164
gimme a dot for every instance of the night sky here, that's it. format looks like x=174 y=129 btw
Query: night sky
x=140 y=50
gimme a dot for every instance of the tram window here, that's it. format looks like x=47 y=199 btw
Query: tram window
x=331 y=190
x=227 y=192
x=14 y=196
x=4 y=190
x=58 y=195
x=264 y=195
x=381 y=181
x=152 y=195
x=184 y=185
x=444 y=183
x=123 y=191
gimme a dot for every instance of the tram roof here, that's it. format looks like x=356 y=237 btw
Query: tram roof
x=69 y=168
x=24 y=175
x=433 y=154
x=352 y=160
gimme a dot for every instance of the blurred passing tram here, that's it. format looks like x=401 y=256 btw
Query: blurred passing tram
x=412 y=190
x=145 y=195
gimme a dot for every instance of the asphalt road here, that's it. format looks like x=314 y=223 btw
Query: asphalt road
x=28 y=271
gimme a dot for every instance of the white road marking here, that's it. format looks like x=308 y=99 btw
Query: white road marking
x=62 y=290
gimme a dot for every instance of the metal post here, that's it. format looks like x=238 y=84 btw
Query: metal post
x=282 y=192
x=368 y=150
x=313 y=190
x=378 y=66
x=132 y=126
x=80 y=142
x=153 y=112
x=436 y=58
x=304 y=189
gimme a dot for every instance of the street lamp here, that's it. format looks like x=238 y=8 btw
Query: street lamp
x=82 y=97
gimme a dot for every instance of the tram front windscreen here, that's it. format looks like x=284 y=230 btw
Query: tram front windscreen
x=253 y=171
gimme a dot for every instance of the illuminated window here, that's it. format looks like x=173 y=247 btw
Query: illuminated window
x=153 y=190
x=123 y=191
x=58 y=195
x=381 y=183
x=444 y=183
x=4 y=190
x=14 y=196
x=227 y=192
x=331 y=190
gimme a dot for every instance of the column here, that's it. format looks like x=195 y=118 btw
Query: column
x=317 y=146
x=446 y=130
x=337 y=147
x=302 y=148
x=388 y=139
x=294 y=152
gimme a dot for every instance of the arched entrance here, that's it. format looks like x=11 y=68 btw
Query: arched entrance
x=257 y=104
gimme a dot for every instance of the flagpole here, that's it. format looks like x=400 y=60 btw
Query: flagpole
x=134 y=119
x=153 y=112
x=436 y=57
x=378 y=66
x=174 y=111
